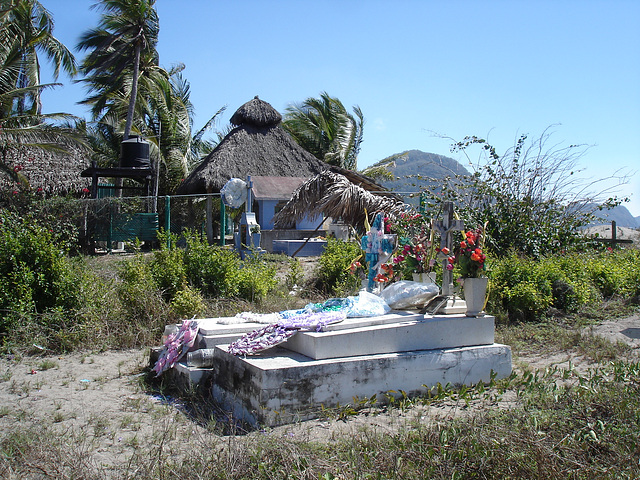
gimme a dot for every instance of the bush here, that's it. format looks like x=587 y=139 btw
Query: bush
x=35 y=274
x=334 y=275
x=526 y=288
x=168 y=267
x=187 y=302
x=256 y=279
x=214 y=270
x=531 y=197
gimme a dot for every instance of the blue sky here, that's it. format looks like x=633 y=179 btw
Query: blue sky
x=495 y=69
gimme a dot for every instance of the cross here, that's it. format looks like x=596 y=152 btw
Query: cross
x=446 y=227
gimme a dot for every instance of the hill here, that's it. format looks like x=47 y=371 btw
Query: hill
x=416 y=162
x=621 y=216
x=406 y=166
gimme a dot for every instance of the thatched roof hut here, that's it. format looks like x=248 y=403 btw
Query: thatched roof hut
x=258 y=145
x=52 y=172
x=334 y=195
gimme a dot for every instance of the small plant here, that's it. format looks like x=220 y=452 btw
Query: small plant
x=47 y=364
x=334 y=267
x=187 y=302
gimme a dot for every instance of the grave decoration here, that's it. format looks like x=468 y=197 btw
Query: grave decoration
x=279 y=326
x=378 y=247
x=176 y=346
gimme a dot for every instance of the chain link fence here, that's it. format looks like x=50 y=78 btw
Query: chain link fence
x=108 y=222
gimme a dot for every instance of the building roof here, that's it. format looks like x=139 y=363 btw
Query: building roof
x=275 y=188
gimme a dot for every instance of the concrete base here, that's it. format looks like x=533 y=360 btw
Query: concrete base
x=312 y=248
x=359 y=357
x=453 y=306
x=417 y=333
x=281 y=386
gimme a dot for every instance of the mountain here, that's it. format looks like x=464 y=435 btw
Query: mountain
x=621 y=216
x=416 y=162
x=406 y=165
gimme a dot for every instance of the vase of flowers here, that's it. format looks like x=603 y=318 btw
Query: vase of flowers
x=471 y=261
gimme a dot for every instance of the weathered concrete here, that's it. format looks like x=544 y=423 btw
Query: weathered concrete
x=359 y=357
x=212 y=334
x=281 y=386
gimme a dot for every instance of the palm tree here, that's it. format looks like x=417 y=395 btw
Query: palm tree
x=323 y=127
x=28 y=29
x=170 y=128
x=19 y=77
x=125 y=38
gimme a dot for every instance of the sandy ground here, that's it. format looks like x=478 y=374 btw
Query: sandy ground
x=622 y=233
x=99 y=398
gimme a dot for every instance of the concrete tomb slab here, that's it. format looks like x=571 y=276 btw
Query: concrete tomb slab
x=359 y=357
x=283 y=386
x=420 y=333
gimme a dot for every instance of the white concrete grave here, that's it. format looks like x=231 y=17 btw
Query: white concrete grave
x=359 y=357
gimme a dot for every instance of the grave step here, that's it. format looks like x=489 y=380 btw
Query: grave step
x=281 y=386
x=420 y=333
x=212 y=334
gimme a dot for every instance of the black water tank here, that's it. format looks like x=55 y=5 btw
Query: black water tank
x=134 y=153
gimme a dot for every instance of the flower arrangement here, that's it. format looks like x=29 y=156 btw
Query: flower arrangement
x=415 y=241
x=469 y=255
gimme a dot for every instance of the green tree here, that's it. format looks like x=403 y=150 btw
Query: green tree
x=123 y=45
x=27 y=29
x=169 y=125
x=325 y=128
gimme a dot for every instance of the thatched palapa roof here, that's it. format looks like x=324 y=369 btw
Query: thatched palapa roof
x=333 y=195
x=50 y=171
x=258 y=145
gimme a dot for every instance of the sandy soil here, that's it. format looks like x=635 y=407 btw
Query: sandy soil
x=99 y=398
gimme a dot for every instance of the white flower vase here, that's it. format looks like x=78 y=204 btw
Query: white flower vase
x=475 y=293
x=424 y=277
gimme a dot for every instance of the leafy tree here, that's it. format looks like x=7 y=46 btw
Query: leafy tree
x=27 y=28
x=169 y=125
x=123 y=45
x=531 y=198
x=325 y=128
x=126 y=82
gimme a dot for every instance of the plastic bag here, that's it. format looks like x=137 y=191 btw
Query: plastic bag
x=407 y=294
x=367 y=304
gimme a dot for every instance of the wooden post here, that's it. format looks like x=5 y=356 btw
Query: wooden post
x=209 y=219
x=614 y=234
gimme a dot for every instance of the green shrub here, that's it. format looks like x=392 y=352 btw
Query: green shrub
x=187 y=302
x=214 y=270
x=334 y=275
x=168 y=267
x=35 y=274
x=526 y=288
x=294 y=274
x=256 y=278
